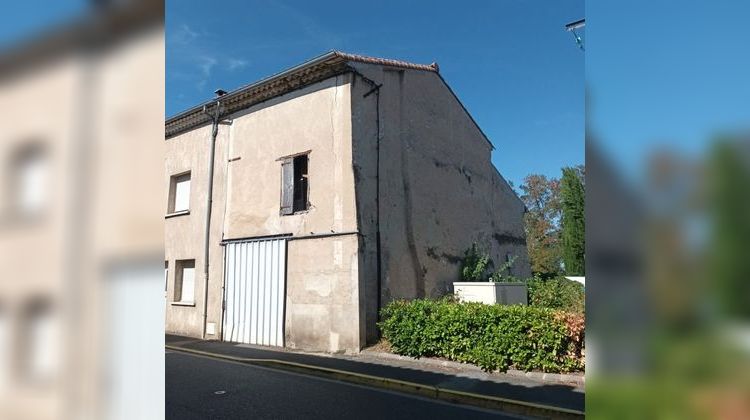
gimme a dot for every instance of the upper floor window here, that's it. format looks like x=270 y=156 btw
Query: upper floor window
x=179 y=193
x=29 y=180
x=294 y=184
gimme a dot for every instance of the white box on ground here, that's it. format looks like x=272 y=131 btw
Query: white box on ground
x=579 y=279
x=504 y=293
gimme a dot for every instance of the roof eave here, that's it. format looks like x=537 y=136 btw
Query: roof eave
x=199 y=107
x=311 y=71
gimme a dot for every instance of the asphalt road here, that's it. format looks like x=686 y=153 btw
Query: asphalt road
x=203 y=388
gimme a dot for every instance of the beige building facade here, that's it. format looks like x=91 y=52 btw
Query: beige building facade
x=80 y=229
x=337 y=186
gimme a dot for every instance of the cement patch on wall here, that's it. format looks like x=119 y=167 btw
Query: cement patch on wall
x=322 y=306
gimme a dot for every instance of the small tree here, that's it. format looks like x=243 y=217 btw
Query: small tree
x=729 y=264
x=541 y=195
x=573 y=222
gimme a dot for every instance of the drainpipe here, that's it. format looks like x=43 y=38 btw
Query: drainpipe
x=215 y=118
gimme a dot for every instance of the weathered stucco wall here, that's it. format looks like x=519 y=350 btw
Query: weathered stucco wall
x=439 y=190
x=322 y=281
x=323 y=302
x=314 y=119
x=184 y=235
x=32 y=251
x=364 y=155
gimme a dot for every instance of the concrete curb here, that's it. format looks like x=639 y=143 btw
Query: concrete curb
x=485 y=401
x=556 y=378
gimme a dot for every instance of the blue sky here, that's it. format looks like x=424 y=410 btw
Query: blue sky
x=510 y=62
x=671 y=81
x=659 y=73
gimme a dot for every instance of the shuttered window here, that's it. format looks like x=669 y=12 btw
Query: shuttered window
x=294 y=184
x=184 y=290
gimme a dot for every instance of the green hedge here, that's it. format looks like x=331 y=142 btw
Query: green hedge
x=557 y=293
x=494 y=337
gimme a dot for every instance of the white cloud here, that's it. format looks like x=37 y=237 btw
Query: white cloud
x=236 y=64
x=183 y=35
x=206 y=64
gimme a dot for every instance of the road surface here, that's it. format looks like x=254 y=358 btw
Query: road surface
x=203 y=388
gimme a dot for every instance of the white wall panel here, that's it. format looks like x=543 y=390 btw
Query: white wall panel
x=254 y=292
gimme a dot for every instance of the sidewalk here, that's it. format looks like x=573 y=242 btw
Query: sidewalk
x=444 y=380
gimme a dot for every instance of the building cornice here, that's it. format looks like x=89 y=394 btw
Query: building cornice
x=318 y=69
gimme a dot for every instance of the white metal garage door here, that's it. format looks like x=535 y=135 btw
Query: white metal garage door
x=254 y=274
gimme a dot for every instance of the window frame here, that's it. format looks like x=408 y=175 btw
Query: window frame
x=29 y=162
x=290 y=185
x=166 y=279
x=41 y=362
x=179 y=282
x=174 y=180
x=304 y=191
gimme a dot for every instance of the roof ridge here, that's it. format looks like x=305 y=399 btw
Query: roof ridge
x=330 y=63
x=387 y=61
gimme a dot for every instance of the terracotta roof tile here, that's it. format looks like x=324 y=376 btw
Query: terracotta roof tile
x=387 y=62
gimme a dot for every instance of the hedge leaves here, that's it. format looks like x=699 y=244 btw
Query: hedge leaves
x=494 y=337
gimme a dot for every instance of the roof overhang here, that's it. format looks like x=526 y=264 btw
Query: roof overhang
x=318 y=69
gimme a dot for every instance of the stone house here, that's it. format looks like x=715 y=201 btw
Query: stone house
x=301 y=204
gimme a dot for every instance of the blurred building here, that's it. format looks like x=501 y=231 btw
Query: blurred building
x=80 y=147
x=615 y=255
